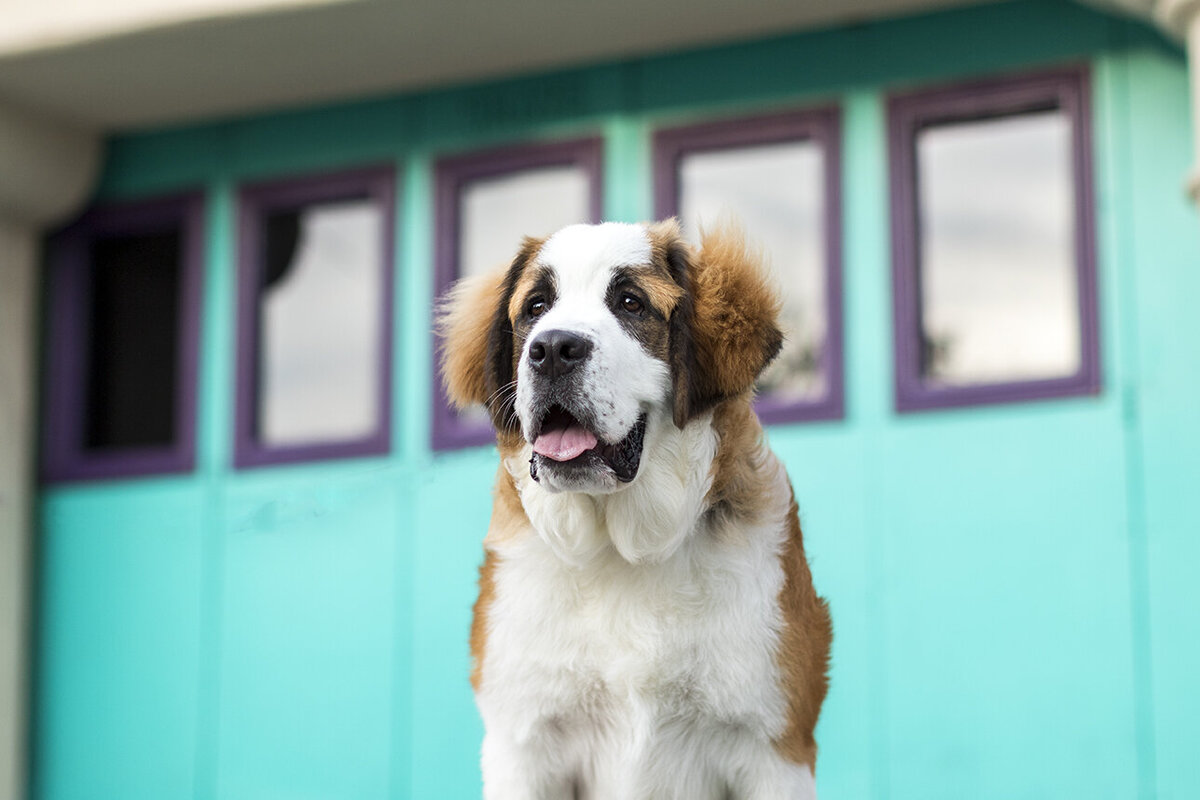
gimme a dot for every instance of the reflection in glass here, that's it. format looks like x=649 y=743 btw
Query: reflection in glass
x=495 y=214
x=319 y=345
x=776 y=191
x=997 y=246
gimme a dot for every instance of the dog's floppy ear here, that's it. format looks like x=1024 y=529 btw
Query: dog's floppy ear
x=477 y=340
x=724 y=330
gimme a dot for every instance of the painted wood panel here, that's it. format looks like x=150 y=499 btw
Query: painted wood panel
x=308 y=616
x=1011 y=586
x=120 y=657
x=1161 y=255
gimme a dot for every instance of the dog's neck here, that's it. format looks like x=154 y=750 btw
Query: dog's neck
x=645 y=522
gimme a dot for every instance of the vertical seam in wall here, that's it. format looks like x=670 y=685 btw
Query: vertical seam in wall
x=410 y=254
x=413 y=356
x=864 y=179
x=215 y=435
x=1123 y=261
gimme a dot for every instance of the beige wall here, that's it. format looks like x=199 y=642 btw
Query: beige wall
x=1182 y=17
x=17 y=305
x=44 y=24
x=47 y=168
x=1193 y=28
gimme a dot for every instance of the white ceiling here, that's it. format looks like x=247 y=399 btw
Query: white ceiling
x=272 y=54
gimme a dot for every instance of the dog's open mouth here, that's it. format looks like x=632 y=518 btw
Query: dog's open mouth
x=565 y=441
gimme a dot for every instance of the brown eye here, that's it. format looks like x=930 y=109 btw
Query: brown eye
x=537 y=307
x=631 y=304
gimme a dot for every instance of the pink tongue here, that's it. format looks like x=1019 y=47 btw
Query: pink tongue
x=564 y=445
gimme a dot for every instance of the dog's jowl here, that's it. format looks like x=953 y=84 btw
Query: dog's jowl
x=646 y=627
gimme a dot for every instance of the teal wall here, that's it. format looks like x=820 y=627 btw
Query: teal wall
x=1012 y=587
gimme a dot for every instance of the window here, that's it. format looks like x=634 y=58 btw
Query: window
x=486 y=203
x=993 y=255
x=124 y=300
x=778 y=176
x=314 y=327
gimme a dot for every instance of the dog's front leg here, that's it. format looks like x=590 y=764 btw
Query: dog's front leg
x=514 y=771
x=770 y=777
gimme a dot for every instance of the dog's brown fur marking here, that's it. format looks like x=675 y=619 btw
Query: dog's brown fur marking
x=477 y=352
x=735 y=309
x=465 y=324
x=739 y=485
x=508 y=522
x=803 y=648
x=508 y=515
x=500 y=364
x=738 y=311
x=665 y=238
x=659 y=295
x=479 y=622
x=724 y=329
x=531 y=278
x=656 y=284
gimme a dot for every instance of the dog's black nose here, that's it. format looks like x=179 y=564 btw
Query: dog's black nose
x=555 y=353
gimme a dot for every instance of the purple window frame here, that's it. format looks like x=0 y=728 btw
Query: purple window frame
x=821 y=126
x=377 y=183
x=449 y=432
x=63 y=456
x=1061 y=89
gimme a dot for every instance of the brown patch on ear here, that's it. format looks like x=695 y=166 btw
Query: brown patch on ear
x=500 y=361
x=477 y=340
x=670 y=254
x=667 y=247
x=724 y=329
x=735 y=309
x=464 y=325
x=803 y=655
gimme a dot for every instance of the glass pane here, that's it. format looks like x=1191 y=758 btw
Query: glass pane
x=776 y=192
x=997 y=241
x=133 y=337
x=496 y=213
x=320 y=326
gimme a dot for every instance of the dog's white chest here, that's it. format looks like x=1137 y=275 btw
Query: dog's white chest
x=637 y=673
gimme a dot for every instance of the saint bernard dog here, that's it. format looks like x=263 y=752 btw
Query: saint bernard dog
x=646 y=627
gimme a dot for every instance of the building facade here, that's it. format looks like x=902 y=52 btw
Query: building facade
x=241 y=593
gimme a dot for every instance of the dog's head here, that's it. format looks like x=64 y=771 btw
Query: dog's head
x=600 y=333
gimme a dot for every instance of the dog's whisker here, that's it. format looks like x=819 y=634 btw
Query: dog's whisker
x=498 y=394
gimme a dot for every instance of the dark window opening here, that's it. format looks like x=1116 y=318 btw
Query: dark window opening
x=133 y=341
x=122 y=329
x=281 y=238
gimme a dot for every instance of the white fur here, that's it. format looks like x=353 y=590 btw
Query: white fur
x=653 y=680
x=649 y=519
x=632 y=638
x=621 y=378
